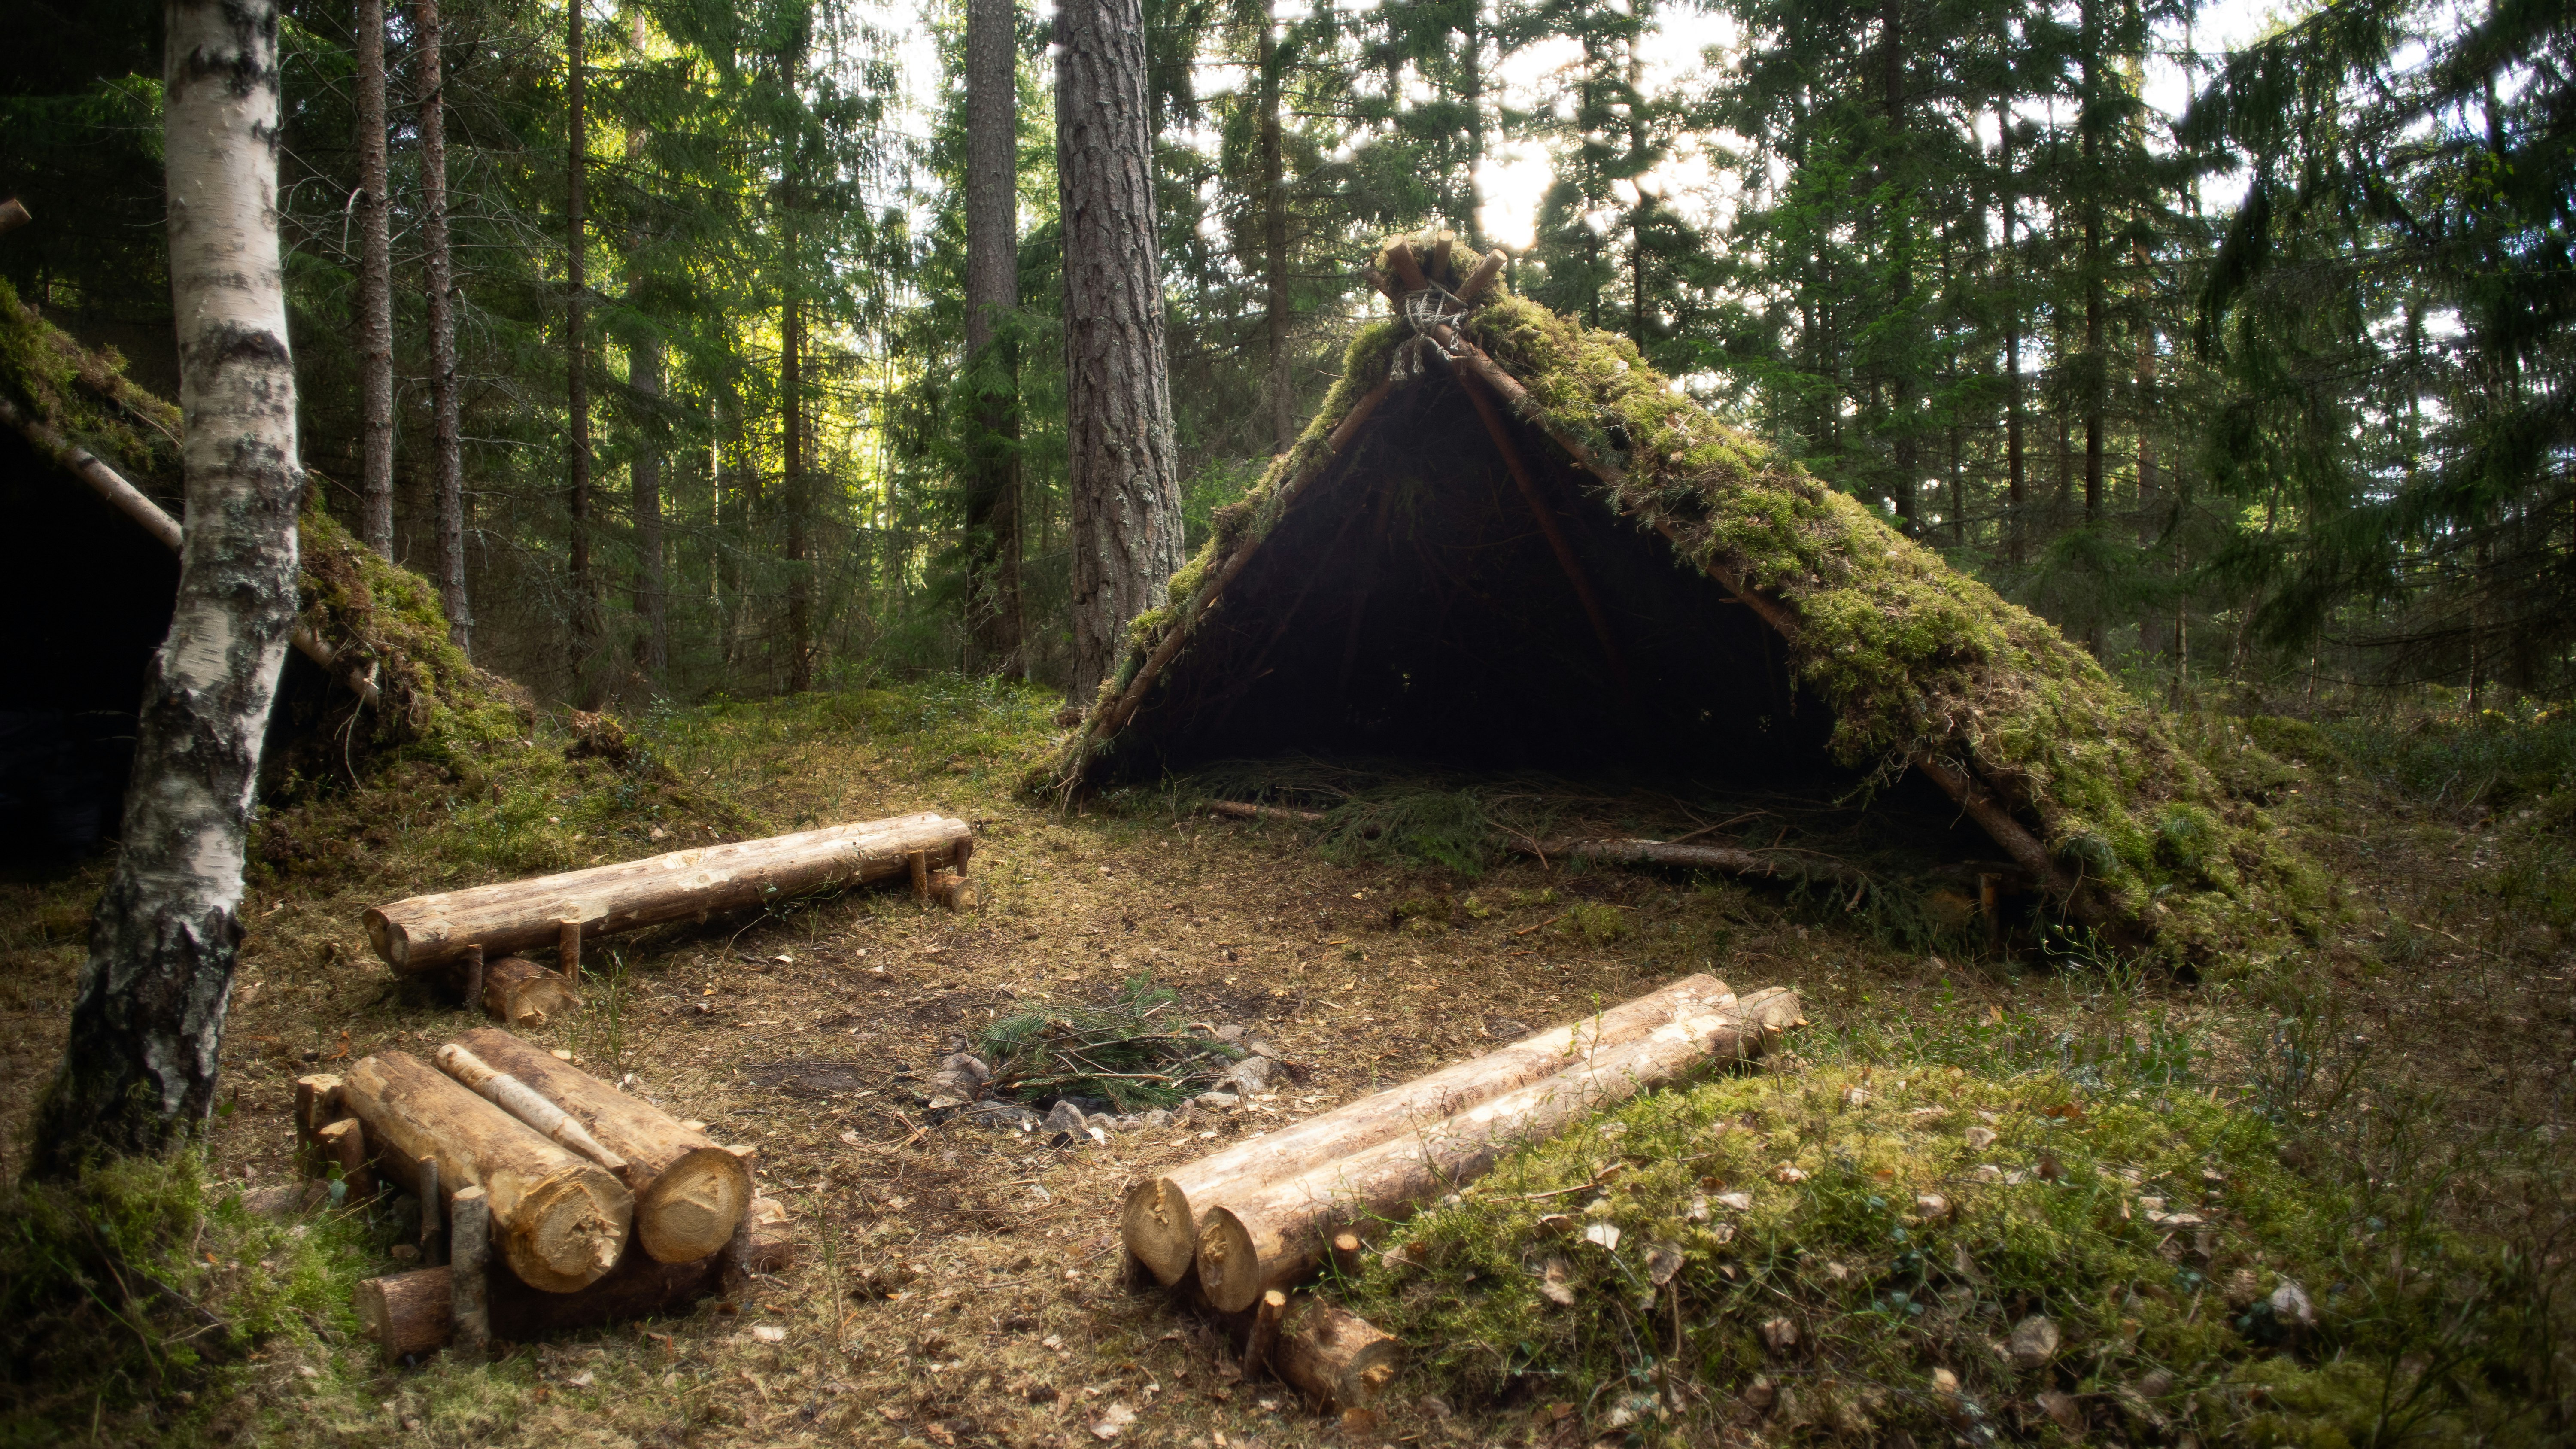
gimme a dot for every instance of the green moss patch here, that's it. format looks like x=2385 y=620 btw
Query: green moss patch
x=1856 y=1253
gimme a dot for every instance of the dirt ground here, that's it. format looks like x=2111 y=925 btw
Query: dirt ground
x=1007 y=1322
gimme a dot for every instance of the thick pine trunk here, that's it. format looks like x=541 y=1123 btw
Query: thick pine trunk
x=446 y=435
x=993 y=609
x=1160 y=1217
x=375 y=291
x=147 y=1024
x=424 y=933
x=1126 y=497
x=1272 y=1232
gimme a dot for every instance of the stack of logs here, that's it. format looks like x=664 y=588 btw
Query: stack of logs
x=450 y=936
x=1237 y=1231
x=564 y=1202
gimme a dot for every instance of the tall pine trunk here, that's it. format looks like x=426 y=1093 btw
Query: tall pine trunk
x=1274 y=244
x=653 y=643
x=792 y=487
x=585 y=611
x=2016 y=484
x=375 y=291
x=1892 y=180
x=1125 y=488
x=995 y=628
x=138 y=1072
x=446 y=435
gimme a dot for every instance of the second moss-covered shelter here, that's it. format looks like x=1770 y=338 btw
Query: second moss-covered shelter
x=1505 y=542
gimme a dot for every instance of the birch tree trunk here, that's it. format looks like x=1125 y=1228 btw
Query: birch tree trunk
x=1125 y=487
x=992 y=295
x=375 y=291
x=446 y=437
x=138 y=1072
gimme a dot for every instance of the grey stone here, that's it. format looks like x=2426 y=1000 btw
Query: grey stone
x=1214 y=1100
x=1010 y=1116
x=1253 y=1073
x=1158 y=1118
x=968 y=1063
x=1064 y=1117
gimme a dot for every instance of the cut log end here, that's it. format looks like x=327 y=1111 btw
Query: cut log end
x=691 y=1208
x=1155 y=1222
x=569 y=1231
x=953 y=891
x=392 y=944
x=1230 y=1262
x=406 y=1313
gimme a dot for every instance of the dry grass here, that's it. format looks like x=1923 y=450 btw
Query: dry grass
x=2428 y=1030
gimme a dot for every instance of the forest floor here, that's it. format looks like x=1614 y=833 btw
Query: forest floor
x=2422 y=1045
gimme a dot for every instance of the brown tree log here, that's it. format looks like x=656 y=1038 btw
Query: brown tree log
x=1786 y=864
x=417 y=1310
x=1335 y=1356
x=559 y=1220
x=469 y=1259
x=689 y=1192
x=426 y=932
x=1273 y=1233
x=524 y=1102
x=522 y=993
x=1158 y=1217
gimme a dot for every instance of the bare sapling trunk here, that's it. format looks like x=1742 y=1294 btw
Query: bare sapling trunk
x=138 y=1071
x=446 y=435
x=375 y=291
x=992 y=296
x=1126 y=495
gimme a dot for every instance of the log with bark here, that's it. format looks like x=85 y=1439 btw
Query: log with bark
x=1273 y=1231
x=1335 y=1356
x=522 y=993
x=416 y=1312
x=689 y=1192
x=427 y=932
x=1793 y=865
x=1159 y=1216
x=559 y=1220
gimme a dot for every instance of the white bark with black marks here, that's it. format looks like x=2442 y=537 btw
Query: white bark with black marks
x=1127 y=531
x=147 y=1026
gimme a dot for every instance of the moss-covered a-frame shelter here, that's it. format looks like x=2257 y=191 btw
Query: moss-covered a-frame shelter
x=1506 y=541
x=91 y=484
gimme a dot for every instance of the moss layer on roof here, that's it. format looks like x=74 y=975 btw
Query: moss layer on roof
x=1916 y=658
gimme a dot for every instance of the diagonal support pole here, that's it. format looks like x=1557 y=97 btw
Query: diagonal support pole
x=1565 y=559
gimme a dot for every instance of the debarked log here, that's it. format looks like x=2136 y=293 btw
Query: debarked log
x=1159 y=1216
x=1275 y=1232
x=427 y=932
x=521 y=992
x=559 y=1220
x=689 y=1192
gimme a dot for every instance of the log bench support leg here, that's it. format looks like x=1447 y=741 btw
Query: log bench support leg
x=473 y=978
x=344 y=1143
x=919 y=861
x=469 y=1261
x=317 y=1105
x=425 y=1173
x=568 y=947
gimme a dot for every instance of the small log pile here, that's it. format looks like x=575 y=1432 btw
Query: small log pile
x=451 y=934
x=560 y=1200
x=1239 y=1230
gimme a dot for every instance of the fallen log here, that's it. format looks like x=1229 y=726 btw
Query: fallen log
x=523 y=1102
x=559 y=1220
x=1785 y=864
x=1158 y=1217
x=427 y=932
x=689 y=1192
x=1242 y=811
x=1273 y=1233
x=415 y=1312
x=522 y=993
x=1335 y=1356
